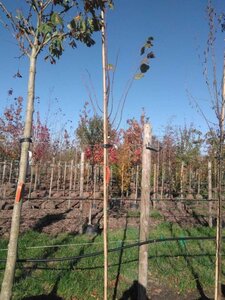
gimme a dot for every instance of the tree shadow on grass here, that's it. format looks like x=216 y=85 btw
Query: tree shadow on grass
x=120 y=261
x=72 y=265
x=132 y=292
x=190 y=266
x=43 y=297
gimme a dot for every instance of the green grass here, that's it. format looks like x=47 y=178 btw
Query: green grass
x=181 y=264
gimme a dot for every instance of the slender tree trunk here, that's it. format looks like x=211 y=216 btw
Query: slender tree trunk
x=36 y=176
x=154 y=185
x=31 y=182
x=181 y=180
x=199 y=183
x=7 y=284
x=81 y=177
x=59 y=176
x=75 y=172
x=136 y=183
x=144 y=217
x=218 y=269
x=64 y=178
x=157 y=171
x=10 y=171
x=51 y=178
x=163 y=176
x=210 y=192
x=190 y=181
x=71 y=183
x=3 y=172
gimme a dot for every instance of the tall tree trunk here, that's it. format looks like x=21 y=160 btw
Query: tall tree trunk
x=7 y=284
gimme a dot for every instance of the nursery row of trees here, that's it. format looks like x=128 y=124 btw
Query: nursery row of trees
x=181 y=151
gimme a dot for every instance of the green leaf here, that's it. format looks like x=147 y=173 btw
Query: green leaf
x=45 y=28
x=56 y=19
x=138 y=76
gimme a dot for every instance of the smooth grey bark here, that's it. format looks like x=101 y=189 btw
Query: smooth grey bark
x=7 y=284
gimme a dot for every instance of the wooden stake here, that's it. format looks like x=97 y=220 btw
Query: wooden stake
x=144 y=217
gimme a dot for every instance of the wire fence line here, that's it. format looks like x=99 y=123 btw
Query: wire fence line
x=123 y=247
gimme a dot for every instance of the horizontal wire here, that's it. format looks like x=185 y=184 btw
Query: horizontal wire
x=98 y=253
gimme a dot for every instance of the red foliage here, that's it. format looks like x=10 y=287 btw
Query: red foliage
x=11 y=128
x=41 y=140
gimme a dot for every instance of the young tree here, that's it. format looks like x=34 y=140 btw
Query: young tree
x=42 y=25
x=11 y=128
x=217 y=104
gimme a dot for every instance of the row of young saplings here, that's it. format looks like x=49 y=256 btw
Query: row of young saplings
x=55 y=179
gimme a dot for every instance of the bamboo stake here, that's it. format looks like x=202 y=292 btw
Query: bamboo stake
x=105 y=163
